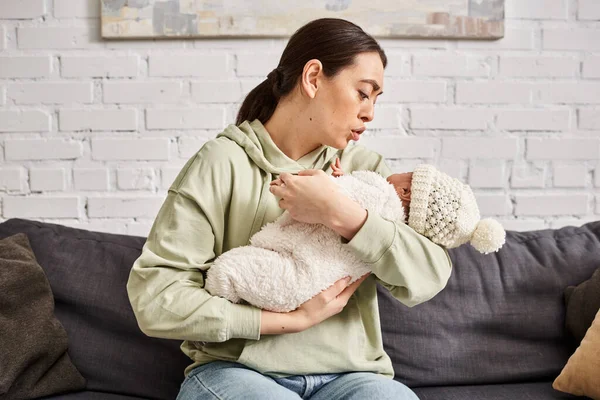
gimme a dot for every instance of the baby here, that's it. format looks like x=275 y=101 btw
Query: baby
x=437 y=199
x=288 y=262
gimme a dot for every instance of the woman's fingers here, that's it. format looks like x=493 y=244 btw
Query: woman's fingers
x=341 y=290
x=334 y=290
x=310 y=197
x=278 y=191
x=286 y=178
x=347 y=292
x=329 y=302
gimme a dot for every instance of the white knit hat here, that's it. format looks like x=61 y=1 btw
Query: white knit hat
x=445 y=210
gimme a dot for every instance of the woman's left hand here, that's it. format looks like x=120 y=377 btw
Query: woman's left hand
x=311 y=196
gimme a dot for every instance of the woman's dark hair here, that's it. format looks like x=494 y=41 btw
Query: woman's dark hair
x=334 y=42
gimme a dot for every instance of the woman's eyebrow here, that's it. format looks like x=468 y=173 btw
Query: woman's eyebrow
x=373 y=83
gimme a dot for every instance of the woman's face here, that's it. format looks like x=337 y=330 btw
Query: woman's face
x=345 y=103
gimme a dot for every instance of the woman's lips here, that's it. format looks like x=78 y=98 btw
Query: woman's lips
x=357 y=132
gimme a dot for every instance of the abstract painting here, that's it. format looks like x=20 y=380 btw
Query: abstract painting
x=460 y=19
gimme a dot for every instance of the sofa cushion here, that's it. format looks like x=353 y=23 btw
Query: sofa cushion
x=88 y=272
x=529 y=391
x=581 y=375
x=501 y=317
x=583 y=302
x=33 y=344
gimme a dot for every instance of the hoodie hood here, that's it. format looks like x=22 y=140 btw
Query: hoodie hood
x=257 y=143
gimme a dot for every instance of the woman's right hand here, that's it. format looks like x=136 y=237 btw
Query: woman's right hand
x=329 y=302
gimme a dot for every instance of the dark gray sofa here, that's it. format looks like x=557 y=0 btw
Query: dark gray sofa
x=495 y=332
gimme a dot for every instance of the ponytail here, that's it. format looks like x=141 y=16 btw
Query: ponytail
x=261 y=102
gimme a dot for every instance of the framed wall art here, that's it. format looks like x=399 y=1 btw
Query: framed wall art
x=458 y=19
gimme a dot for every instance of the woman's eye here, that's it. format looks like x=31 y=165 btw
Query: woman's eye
x=363 y=95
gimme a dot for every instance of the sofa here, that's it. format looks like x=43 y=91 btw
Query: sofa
x=497 y=331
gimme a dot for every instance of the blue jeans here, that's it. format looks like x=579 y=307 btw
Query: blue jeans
x=231 y=381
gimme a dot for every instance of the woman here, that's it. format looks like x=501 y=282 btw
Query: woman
x=288 y=131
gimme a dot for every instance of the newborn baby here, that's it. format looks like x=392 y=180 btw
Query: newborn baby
x=288 y=262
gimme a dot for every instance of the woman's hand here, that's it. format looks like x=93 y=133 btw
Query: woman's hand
x=313 y=197
x=309 y=197
x=328 y=303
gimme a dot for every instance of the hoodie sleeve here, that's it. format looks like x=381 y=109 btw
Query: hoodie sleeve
x=166 y=283
x=412 y=267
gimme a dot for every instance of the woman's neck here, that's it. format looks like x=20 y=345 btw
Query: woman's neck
x=290 y=131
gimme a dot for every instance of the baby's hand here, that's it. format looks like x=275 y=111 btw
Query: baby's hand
x=337 y=168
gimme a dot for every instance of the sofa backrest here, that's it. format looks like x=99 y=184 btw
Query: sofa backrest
x=501 y=317
x=87 y=272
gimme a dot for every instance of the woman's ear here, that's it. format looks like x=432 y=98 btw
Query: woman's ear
x=310 y=77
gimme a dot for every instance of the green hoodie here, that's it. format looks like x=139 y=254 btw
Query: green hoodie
x=217 y=202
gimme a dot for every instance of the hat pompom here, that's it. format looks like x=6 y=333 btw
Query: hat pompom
x=489 y=236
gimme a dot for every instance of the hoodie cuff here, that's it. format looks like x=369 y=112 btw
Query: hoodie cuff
x=244 y=322
x=373 y=239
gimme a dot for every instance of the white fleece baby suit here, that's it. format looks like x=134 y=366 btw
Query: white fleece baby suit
x=288 y=262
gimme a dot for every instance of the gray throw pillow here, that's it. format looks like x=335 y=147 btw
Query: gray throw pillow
x=33 y=343
x=583 y=302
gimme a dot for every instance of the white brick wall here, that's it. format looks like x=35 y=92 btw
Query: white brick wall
x=142 y=92
x=551 y=204
x=25 y=67
x=99 y=66
x=589 y=10
x=50 y=92
x=130 y=149
x=24 y=121
x=571 y=38
x=56 y=38
x=13 y=179
x=76 y=9
x=451 y=65
x=570 y=176
x=213 y=66
x=591 y=67
x=488 y=175
x=589 y=118
x=95 y=179
x=123 y=119
x=480 y=148
x=22 y=9
x=534 y=120
x=563 y=149
x=538 y=66
x=46 y=179
x=514 y=39
x=93 y=132
x=537 y=9
x=42 y=149
x=444 y=118
x=528 y=175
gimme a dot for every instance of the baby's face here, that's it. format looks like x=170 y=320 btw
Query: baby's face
x=402 y=183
